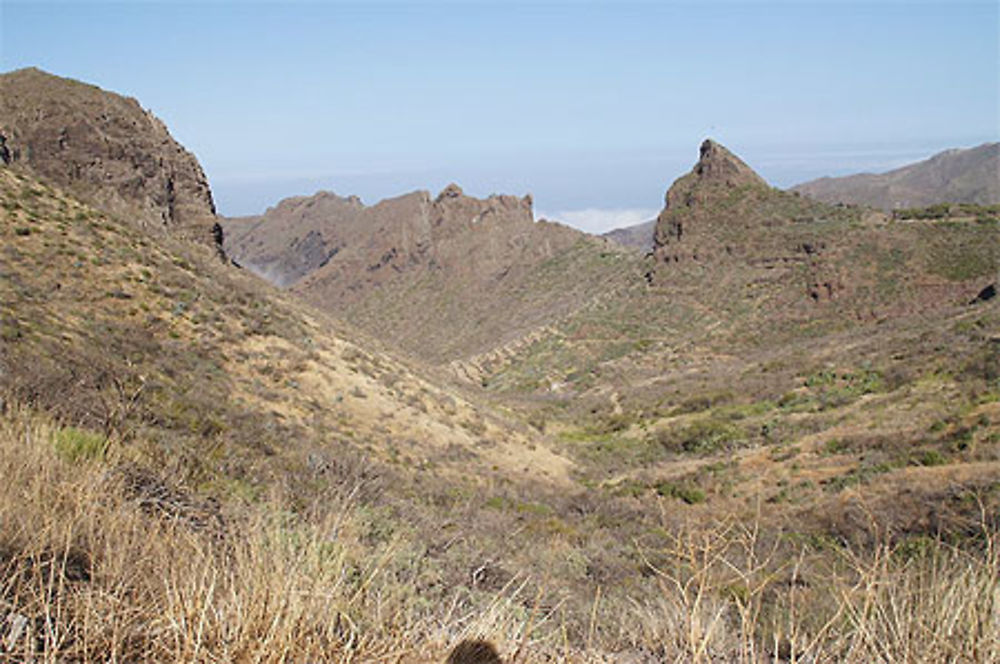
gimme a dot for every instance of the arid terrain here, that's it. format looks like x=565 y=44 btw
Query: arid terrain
x=953 y=176
x=348 y=432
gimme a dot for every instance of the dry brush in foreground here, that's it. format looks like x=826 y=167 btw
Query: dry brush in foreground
x=102 y=562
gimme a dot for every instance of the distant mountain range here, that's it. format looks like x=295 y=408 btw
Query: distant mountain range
x=639 y=236
x=953 y=176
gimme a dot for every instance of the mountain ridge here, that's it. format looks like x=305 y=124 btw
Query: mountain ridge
x=402 y=267
x=956 y=175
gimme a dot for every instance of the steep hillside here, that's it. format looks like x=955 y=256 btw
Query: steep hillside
x=106 y=149
x=442 y=278
x=138 y=336
x=954 y=176
x=165 y=418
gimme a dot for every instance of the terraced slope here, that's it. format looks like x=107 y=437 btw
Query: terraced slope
x=781 y=349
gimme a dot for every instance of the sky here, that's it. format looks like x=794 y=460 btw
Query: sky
x=592 y=107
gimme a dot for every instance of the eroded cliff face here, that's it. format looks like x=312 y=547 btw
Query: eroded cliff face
x=332 y=242
x=106 y=149
x=443 y=276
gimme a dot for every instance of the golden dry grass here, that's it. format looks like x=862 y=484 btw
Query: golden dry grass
x=92 y=570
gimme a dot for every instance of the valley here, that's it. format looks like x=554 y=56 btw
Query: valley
x=349 y=432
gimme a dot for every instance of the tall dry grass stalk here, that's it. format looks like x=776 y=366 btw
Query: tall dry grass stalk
x=730 y=594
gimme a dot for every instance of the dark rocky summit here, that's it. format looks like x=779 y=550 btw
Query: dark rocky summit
x=710 y=211
x=106 y=149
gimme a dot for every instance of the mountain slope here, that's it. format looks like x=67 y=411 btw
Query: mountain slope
x=140 y=336
x=106 y=149
x=955 y=176
x=198 y=466
x=766 y=325
x=442 y=278
x=639 y=236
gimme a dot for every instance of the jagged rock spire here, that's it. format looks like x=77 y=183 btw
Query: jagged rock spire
x=717 y=164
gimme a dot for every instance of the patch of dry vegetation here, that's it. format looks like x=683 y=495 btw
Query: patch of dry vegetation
x=95 y=566
x=198 y=469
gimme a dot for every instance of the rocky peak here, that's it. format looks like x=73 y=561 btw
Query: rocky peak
x=451 y=191
x=454 y=209
x=106 y=149
x=691 y=201
x=717 y=164
x=723 y=212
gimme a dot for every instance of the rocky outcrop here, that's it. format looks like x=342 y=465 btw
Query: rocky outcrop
x=723 y=210
x=722 y=219
x=704 y=204
x=469 y=238
x=444 y=276
x=106 y=149
x=333 y=239
x=718 y=165
x=739 y=244
x=293 y=238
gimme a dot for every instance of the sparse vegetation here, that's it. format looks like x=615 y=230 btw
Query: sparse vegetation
x=776 y=448
x=948 y=210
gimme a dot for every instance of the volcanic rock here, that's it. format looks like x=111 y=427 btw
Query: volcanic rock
x=106 y=149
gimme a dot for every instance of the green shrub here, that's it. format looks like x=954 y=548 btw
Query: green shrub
x=701 y=437
x=75 y=444
x=932 y=458
x=691 y=495
x=836 y=446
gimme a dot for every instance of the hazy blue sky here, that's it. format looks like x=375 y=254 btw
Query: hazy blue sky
x=594 y=107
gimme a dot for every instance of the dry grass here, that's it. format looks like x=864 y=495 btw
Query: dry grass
x=90 y=571
x=733 y=593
